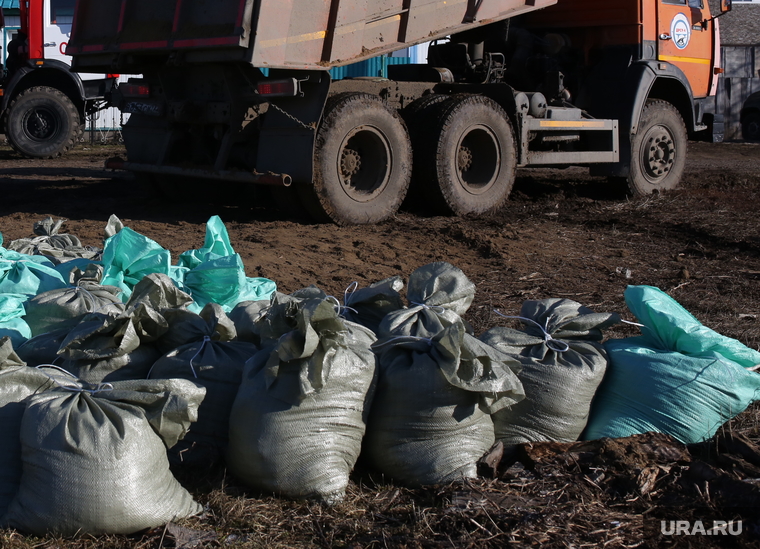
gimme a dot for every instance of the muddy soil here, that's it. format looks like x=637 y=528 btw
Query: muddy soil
x=562 y=234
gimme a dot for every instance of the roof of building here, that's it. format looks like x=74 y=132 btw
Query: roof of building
x=9 y=4
x=741 y=26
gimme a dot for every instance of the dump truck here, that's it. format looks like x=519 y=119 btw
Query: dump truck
x=239 y=91
x=43 y=104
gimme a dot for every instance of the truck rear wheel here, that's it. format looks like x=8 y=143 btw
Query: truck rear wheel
x=42 y=122
x=658 y=150
x=420 y=117
x=362 y=162
x=475 y=155
x=751 y=127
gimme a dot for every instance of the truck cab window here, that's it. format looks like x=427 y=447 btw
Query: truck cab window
x=62 y=12
x=676 y=2
x=696 y=4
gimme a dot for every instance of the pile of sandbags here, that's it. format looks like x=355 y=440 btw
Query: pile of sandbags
x=87 y=437
x=117 y=363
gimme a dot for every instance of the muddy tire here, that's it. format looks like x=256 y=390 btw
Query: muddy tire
x=474 y=160
x=42 y=122
x=658 y=150
x=420 y=117
x=362 y=162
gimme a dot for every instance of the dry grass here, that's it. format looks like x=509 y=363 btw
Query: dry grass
x=554 y=504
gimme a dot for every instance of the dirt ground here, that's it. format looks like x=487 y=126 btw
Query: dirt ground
x=562 y=234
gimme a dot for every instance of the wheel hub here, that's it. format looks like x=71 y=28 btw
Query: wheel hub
x=39 y=125
x=464 y=158
x=660 y=155
x=350 y=163
x=477 y=159
x=364 y=163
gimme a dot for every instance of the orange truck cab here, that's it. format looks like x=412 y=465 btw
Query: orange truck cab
x=633 y=57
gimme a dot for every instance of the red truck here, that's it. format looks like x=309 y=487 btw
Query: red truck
x=43 y=104
x=239 y=90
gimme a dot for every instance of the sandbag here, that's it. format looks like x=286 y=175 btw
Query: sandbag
x=77 y=268
x=299 y=416
x=110 y=347
x=369 y=306
x=188 y=327
x=65 y=307
x=217 y=365
x=158 y=292
x=43 y=349
x=679 y=377
x=245 y=315
x=438 y=294
x=103 y=348
x=563 y=363
x=59 y=248
x=17 y=383
x=430 y=419
x=94 y=458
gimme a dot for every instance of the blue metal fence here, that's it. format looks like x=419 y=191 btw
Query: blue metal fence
x=377 y=66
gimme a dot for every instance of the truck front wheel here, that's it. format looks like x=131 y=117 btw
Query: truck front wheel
x=475 y=156
x=42 y=122
x=362 y=162
x=658 y=150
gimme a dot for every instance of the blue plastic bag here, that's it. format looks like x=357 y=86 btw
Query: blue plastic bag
x=28 y=278
x=11 y=322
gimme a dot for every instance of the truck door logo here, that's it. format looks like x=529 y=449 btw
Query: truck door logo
x=680 y=30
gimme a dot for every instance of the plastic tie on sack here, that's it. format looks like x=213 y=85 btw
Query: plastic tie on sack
x=549 y=341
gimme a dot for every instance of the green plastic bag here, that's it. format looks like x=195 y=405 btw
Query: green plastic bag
x=216 y=274
x=679 y=377
x=128 y=257
x=10 y=255
x=216 y=244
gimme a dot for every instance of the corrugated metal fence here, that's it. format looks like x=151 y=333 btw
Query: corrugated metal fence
x=740 y=79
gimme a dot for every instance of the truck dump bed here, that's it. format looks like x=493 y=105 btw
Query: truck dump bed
x=302 y=34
